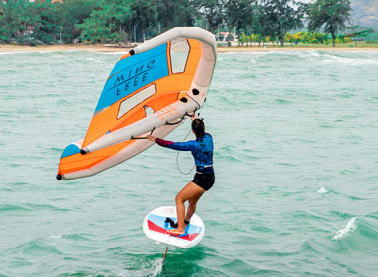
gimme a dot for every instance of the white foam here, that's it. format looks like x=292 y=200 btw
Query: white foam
x=329 y=58
x=350 y=61
x=158 y=267
x=322 y=189
x=13 y=53
x=111 y=53
x=349 y=228
x=38 y=52
x=93 y=60
x=55 y=237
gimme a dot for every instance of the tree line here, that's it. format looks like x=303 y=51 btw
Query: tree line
x=122 y=21
x=292 y=38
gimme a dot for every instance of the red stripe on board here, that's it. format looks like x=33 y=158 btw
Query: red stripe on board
x=153 y=227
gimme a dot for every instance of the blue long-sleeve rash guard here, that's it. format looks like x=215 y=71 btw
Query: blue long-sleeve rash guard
x=202 y=150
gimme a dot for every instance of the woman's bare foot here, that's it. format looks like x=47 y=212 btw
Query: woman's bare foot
x=176 y=232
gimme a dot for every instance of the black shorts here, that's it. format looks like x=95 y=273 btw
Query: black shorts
x=204 y=180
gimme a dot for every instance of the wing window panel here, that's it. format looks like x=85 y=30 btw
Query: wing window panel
x=179 y=52
x=126 y=105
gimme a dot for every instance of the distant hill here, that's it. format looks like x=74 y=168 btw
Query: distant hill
x=365 y=13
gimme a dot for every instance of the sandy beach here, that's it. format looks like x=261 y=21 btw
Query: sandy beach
x=104 y=48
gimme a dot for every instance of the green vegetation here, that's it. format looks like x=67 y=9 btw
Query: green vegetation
x=303 y=38
x=281 y=17
x=123 y=21
x=330 y=14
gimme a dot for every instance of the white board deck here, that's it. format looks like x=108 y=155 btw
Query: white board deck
x=155 y=228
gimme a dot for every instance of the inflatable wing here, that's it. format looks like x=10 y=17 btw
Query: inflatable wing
x=150 y=89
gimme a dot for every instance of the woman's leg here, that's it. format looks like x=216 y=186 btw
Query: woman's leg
x=192 y=207
x=191 y=190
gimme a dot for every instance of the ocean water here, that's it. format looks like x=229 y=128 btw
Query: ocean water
x=296 y=160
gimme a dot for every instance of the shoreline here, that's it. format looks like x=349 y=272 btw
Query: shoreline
x=267 y=49
x=101 y=48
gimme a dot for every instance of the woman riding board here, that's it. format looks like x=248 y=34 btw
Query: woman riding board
x=202 y=151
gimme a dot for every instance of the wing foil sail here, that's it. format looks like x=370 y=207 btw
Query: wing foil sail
x=157 y=83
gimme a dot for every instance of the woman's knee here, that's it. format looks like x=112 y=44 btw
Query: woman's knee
x=179 y=198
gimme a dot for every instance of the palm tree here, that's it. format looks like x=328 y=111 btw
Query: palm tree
x=330 y=14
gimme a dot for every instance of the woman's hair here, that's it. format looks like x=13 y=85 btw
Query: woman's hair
x=198 y=128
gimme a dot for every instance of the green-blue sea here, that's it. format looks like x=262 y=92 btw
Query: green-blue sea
x=296 y=160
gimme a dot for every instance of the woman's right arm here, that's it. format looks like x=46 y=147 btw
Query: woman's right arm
x=180 y=146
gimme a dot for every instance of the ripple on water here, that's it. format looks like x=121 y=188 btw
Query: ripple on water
x=35 y=247
x=10 y=208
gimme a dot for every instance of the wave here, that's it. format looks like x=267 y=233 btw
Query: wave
x=349 y=228
x=14 y=53
x=319 y=56
x=35 y=52
x=10 y=207
x=111 y=53
x=329 y=59
x=94 y=60
x=54 y=237
x=35 y=247
x=322 y=190
x=30 y=207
